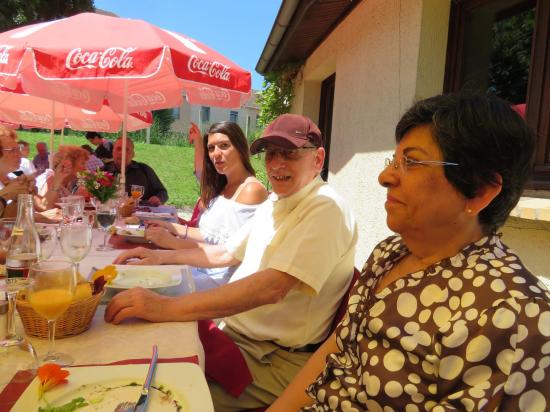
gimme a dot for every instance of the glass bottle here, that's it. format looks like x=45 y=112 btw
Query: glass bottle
x=24 y=247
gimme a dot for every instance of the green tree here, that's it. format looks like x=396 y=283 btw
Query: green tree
x=277 y=94
x=509 y=70
x=162 y=120
x=15 y=13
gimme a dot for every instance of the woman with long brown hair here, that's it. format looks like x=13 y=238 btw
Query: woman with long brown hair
x=230 y=194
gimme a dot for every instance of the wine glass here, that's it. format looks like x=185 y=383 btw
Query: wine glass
x=50 y=292
x=136 y=191
x=12 y=286
x=76 y=239
x=48 y=240
x=18 y=363
x=106 y=216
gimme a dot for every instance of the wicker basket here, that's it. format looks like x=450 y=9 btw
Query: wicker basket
x=75 y=320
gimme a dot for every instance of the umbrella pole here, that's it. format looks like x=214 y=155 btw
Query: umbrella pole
x=124 y=127
x=52 y=131
x=61 y=137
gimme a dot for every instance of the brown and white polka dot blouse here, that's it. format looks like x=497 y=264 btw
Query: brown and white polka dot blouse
x=471 y=332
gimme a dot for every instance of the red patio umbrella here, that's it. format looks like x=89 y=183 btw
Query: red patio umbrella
x=88 y=58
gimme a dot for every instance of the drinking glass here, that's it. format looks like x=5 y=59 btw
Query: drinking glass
x=72 y=208
x=136 y=191
x=106 y=215
x=76 y=239
x=48 y=240
x=6 y=226
x=12 y=286
x=51 y=289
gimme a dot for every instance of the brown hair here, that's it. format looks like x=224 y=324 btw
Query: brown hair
x=213 y=183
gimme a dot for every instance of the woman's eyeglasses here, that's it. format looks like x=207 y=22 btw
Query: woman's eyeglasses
x=404 y=163
x=285 y=154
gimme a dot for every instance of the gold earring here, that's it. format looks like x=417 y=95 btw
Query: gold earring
x=469 y=211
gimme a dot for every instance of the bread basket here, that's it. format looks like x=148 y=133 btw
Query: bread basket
x=75 y=320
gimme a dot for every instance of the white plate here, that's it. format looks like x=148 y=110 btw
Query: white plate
x=132 y=234
x=149 y=277
x=185 y=380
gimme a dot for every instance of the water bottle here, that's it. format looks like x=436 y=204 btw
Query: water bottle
x=24 y=247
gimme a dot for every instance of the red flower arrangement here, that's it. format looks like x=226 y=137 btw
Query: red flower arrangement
x=101 y=185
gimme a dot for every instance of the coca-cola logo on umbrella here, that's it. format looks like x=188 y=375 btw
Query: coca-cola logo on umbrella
x=31 y=117
x=207 y=93
x=66 y=91
x=213 y=69
x=4 y=53
x=113 y=57
x=142 y=100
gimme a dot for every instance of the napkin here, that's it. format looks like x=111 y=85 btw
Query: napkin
x=223 y=360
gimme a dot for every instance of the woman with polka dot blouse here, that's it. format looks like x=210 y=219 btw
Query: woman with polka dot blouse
x=444 y=315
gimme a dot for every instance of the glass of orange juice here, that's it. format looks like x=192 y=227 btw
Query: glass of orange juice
x=136 y=191
x=50 y=292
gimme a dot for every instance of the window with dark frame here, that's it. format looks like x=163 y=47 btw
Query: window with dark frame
x=502 y=47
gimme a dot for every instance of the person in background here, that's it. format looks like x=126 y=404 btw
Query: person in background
x=104 y=147
x=62 y=181
x=10 y=157
x=42 y=159
x=444 y=316
x=229 y=190
x=137 y=173
x=26 y=167
x=295 y=258
x=93 y=162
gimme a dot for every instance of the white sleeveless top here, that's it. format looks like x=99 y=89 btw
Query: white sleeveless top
x=217 y=224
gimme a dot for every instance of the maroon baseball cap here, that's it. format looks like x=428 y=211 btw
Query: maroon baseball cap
x=289 y=131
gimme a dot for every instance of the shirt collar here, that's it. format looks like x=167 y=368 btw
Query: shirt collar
x=286 y=204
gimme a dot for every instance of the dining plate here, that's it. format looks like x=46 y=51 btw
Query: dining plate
x=176 y=387
x=132 y=234
x=149 y=277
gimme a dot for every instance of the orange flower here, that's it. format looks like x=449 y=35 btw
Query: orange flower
x=50 y=375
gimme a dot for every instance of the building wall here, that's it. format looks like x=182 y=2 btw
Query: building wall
x=386 y=54
x=246 y=118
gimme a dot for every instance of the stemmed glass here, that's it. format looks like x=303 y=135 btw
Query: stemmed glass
x=76 y=240
x=48 y=240
x=51 y=289
x=6 y=226
x=12 y=286
x=106 y=216
x=136 y=191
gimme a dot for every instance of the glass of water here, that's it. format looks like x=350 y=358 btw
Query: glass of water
x=76 y=239
x=106 y=215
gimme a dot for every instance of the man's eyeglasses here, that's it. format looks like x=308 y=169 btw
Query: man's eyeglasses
x=12 y=150
x=404 y=163
x=286 y=154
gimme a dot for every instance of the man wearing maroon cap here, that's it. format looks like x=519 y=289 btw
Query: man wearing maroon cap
x=296 y=260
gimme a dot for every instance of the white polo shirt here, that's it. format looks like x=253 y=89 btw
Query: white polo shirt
x=310 y=235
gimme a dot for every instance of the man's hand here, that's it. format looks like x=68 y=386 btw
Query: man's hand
x=154 y=201
x=137 y=303
x=194 y=134
x=159 y=236
x=145 y=256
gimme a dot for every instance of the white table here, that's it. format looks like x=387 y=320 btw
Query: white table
x=105 y=343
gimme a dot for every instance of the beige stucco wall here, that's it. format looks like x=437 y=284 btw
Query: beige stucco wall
x=386 y=54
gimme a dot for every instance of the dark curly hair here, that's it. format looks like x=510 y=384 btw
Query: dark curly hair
x=487 y=138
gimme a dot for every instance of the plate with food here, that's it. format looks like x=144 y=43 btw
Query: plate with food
x=176 y=387
x=149 y=277
x=134 y=233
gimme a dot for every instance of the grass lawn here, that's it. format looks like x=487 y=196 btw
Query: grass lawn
x=173 y=164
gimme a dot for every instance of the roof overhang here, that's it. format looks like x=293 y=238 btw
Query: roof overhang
x=300 y=26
